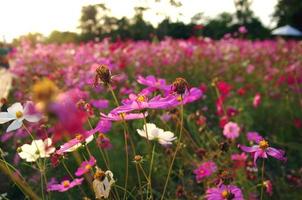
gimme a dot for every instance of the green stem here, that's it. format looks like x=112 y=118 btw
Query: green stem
x=262 y=179
x=176 y=150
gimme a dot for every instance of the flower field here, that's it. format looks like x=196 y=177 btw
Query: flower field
x=172 y=119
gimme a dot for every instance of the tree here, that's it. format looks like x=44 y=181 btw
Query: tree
x=288 y=12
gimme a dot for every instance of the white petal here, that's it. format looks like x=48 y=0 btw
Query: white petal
x=141 y=133
x=89 y=139
x=15 y=108
x=167 y=135
x=14 y=126
x=5 y=117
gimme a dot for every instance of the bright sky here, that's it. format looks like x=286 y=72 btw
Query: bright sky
x=18 y=17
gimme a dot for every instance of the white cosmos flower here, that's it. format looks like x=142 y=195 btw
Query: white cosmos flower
x=102 y=183
x=17 y=113
x=37 y=149
x=154 y=133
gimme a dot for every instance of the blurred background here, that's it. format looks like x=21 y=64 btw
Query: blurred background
x=54 y=21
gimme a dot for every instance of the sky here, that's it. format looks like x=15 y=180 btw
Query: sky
x=19 y=17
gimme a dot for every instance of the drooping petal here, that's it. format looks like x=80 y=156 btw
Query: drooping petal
x=14 y=126
x=276 y=153
x=6 y=117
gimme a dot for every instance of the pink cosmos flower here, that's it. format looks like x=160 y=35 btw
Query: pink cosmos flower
x=242 y=29
x=189 y=96
x=205 y=170
x=140 y=102
x=85 y=166
x=64 y=185
x=254 y=137
x=224 y=192
x=257 y=100
x=231 y=130
x=262 y=149
x=122 y=116
x=103 y=141
x=154 y=83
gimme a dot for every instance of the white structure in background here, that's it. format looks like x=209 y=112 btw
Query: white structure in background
x=286 y=31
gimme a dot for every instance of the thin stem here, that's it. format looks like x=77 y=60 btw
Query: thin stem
x=150 y=170
x=262 y=179
x=176 y=150
x=127 y=164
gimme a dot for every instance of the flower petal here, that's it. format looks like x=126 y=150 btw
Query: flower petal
x=279 y=154
x=14 y=126
x=5 y=117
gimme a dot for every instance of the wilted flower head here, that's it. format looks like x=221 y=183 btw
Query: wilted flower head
x=37 y=149
x=231 y=130
x=103 y=75
x=17 y=113
x=206 y=169
x=64 y=185
x=224 y=192
x=102 y=183
x=151 y=132
x=180 y=85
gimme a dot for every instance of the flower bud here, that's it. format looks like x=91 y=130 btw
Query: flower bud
x=180 y=85
x=103 y=74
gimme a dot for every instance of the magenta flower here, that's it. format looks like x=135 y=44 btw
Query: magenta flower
x=205 y=170
x=231 y=130
x=154 y=83
x=254 y=137
x=85 y=166
x=224 y=192
x=64 y=185
x=262 y=149
x=239 y=159
x=122 y=116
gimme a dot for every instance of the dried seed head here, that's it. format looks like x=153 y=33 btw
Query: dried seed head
x=138 y=158
x=103 y=74
x=180 y=85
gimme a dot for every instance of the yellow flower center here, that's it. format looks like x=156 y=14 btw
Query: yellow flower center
x=123 y=115
x=224 y=194
x=19 y=114
x=88 y=167
x=141 y=98
x=179 y=98
x=66 y=184
x=79 y=137
x=263 y=144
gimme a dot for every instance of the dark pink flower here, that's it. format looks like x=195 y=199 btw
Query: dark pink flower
x=239 y=159
x=224 y=88
x=64 y=185
x=262 y=149
x=205 y=170
x=85 y=166
x=224 y=192
x=268 y=187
